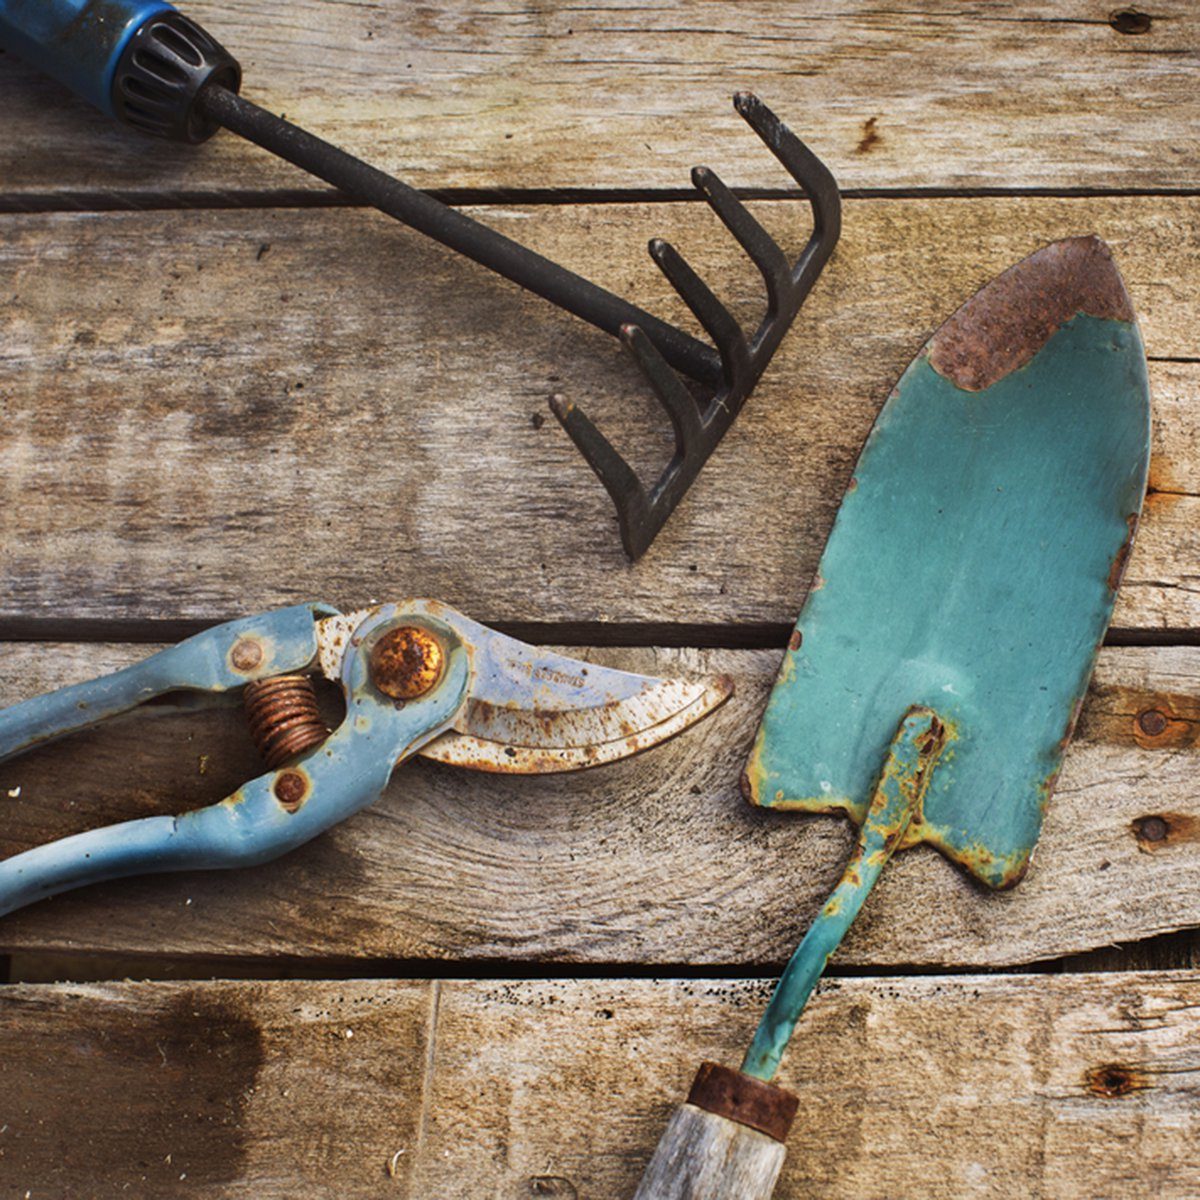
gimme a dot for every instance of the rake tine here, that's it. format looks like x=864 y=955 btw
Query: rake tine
x=709 y=311
x=812 y=175
x=618 y=477
x=754 y=239
x=679 y=403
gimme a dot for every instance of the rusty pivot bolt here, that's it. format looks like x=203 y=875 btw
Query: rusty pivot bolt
x=247 y=654
x=406 y=662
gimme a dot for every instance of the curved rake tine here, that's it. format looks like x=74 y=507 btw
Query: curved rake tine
x=699 y=423
x=618 y=477
x=753 y=238
x=811 y=174
x=709 y=311
x=679 y=403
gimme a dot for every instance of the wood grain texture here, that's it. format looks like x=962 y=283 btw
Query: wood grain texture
x=213 y=413
x=702 y=1156
x=628 y=94
x=657 y=860
x=934 y=1088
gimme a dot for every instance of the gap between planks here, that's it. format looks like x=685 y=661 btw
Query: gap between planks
x=155 y=200
x=615 y=635
x=1166 y=952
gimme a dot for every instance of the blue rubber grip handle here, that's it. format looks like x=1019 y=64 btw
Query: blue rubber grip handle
x=247 y=828
x=77 y=42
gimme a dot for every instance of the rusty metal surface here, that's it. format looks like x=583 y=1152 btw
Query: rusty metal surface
x=744 y=1099
x=406 y=662
x=284 y=717
x=532 y=711
x=567 y=742
x=1003 y=326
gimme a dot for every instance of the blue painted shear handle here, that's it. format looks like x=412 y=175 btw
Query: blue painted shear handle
x=252 y=826
x=77 y=42
x=272 y=814
x=286 y=640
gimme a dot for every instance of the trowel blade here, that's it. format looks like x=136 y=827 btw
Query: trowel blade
x=974 y=562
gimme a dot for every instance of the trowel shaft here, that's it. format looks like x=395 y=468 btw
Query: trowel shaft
x=902 y=784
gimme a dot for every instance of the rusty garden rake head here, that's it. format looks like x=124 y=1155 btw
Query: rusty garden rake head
x=734 y=368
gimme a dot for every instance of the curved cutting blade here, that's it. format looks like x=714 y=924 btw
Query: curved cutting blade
x=974 y=563
x=531 y=711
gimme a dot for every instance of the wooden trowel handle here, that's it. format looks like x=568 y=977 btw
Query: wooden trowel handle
x=726 y=1142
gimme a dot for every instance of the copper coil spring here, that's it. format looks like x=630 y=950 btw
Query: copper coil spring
x=284 y=717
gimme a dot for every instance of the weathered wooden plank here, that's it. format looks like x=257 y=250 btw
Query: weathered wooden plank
x=938 y=1087
x=656 y=860
x=212 y=412
x=628 y=94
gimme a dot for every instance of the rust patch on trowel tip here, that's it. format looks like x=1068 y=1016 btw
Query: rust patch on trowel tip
x=1007 y=322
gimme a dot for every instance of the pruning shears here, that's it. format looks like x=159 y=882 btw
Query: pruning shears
x=417 y=677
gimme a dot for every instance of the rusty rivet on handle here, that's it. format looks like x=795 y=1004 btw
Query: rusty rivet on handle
x=406 y=662
x=1152 y=722
x=247 y=654
x=290 y=789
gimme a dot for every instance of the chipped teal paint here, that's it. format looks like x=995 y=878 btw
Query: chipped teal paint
x=970 y=569
x=911 y=758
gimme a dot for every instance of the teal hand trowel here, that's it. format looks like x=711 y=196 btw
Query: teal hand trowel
x=940 y=659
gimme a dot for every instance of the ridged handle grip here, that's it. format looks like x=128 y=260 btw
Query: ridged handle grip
x=77 y=42
x=137 y=60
